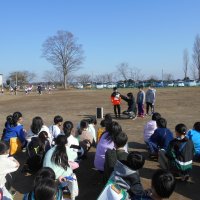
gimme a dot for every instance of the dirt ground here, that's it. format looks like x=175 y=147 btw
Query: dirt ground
x=177 y=105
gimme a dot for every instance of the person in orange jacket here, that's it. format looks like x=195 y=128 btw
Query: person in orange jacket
x=116 y=101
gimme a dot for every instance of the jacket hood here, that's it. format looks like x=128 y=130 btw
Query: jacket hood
x=151 y=125
x=120 y=173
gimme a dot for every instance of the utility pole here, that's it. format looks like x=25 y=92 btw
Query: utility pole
x=16 y=79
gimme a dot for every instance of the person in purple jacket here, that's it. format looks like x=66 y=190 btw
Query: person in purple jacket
x=105 y=143
x=160 y=138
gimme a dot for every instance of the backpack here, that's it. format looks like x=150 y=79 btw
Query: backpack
x=36 y=152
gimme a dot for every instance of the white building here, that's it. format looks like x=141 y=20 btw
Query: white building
x=1 y=80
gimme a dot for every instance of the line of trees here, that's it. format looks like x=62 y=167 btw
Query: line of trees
x=195 y=65
x=64 y=52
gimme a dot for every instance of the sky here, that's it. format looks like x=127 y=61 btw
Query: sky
x=149 y=35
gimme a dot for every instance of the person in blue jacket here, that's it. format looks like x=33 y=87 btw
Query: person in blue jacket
x=160 y=138
x=14 y=128
x=194 y=135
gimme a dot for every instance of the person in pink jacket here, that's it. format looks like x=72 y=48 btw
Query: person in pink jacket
x=151 y=126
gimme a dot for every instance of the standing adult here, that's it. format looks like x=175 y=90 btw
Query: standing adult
x=116 y=101
x=150 y=100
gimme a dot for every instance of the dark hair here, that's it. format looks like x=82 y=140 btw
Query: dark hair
x=140 y=86
x=4 y=146
x=120 y=139
x=59 y=156
x=108 y=117
x=83 y=124
x=163 y=183
x=156 y=116
x=57 y=119
x=46 y=189
x=9 y=120
x=102 y=123
x=130 y=95
x=92 y=120
x=36 y=125
x=135 y=160
x=67 y=128
x=108 y=120
x=16 y=116
x=115 y=88
x=113 y=129
x=161 y=123
x=181 y=129
x=197 y=126
x=45 y=172
x=43 y=135
x=13 y=119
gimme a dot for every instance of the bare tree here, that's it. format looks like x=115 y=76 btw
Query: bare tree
x=123 y=70
x=152 y=78
x=196 y=54
x=53 y=76
x=185 y=62
x=194 y=72
x=135 y=74
x=127 y=72
x=63 y=51
x=84 y=78
x=168 y=77
x=21 y=77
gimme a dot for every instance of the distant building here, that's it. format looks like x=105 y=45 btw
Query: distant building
x=1 y=80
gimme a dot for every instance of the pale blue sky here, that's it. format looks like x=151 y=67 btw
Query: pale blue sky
x=147 y=34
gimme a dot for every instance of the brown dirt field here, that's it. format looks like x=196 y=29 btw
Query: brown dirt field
x=177 y=105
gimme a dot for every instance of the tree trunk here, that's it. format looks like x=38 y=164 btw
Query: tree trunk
x=65 y=81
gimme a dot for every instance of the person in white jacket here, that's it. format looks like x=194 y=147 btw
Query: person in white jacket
x=55 y=129
x=38 y=126
x=7 y=165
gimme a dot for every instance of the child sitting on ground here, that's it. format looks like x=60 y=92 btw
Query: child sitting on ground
x=125 y=178
x=194 y=135
x=160 y=138
x=55 y=129
x=7 y=165
x=104 y=123
x=179 y=155
x=162 y=186
x=42 y=189
x=117 y=153
x=151 y=126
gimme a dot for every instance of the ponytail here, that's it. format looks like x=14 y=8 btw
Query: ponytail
x=59 y=156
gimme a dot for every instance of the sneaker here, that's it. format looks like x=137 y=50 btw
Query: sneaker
x=185 y=177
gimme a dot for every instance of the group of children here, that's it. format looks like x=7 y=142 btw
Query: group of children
x=174 y=152
x=133 y=110
x=55 y=152
x=60 y=147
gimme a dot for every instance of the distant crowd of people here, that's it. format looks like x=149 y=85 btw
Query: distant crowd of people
x=28 y=89
x=55 y=152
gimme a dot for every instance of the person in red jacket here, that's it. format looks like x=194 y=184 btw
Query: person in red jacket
x=116 y=101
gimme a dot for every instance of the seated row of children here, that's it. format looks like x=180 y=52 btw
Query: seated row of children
x=46 y=148
x=175 y=154
x=120 y=170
